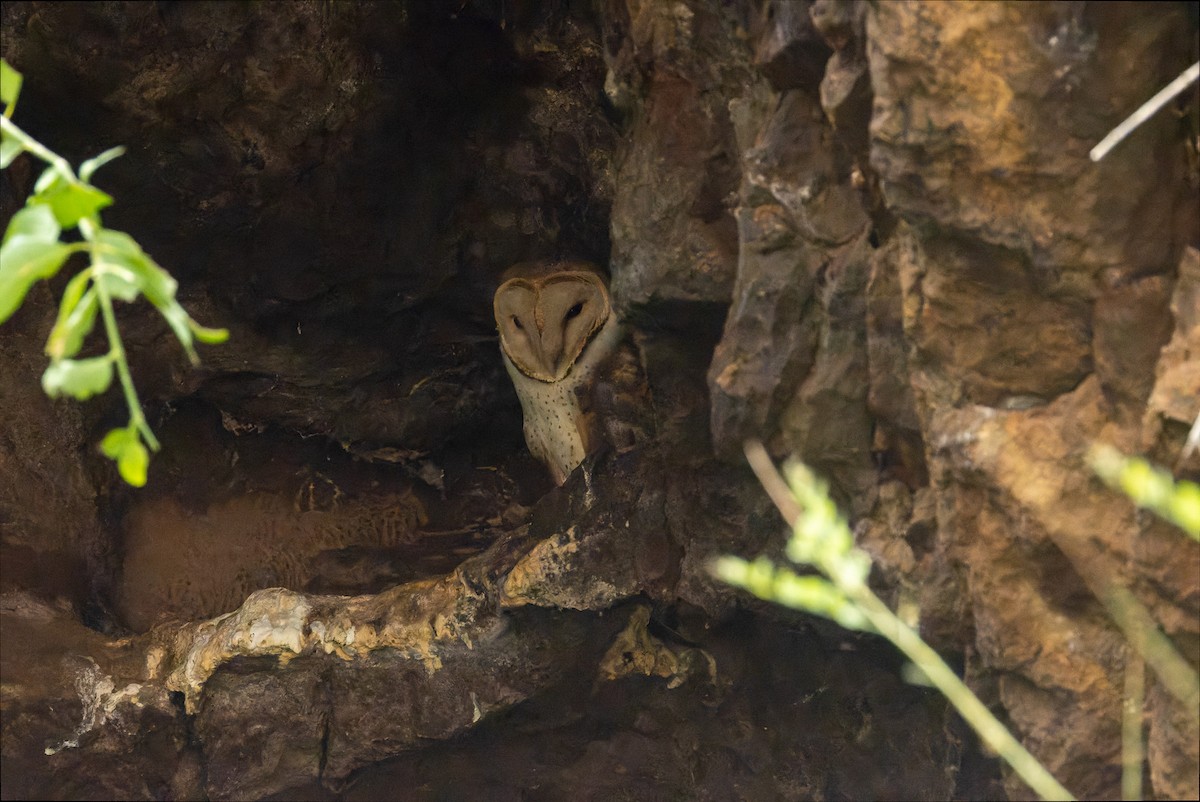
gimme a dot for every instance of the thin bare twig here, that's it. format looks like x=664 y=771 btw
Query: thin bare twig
x=772 y=482
x=1146 y=111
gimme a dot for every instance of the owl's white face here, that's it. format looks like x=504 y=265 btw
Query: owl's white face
x=546 y=321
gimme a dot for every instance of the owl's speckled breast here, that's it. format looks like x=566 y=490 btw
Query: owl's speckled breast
x=555 y=426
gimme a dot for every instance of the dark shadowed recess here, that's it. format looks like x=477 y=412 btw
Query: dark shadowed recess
x=338 y=186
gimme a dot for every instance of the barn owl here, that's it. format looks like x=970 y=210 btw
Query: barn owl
x=557 y=329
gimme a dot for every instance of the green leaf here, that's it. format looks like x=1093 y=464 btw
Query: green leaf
x=121 y=284
x=24 y=260
x=73 y=293
x=10 y=149
x=73 y=324
x=71 y=201
x=91 y=165
x=123 y=446
x=179 y=322
x=82 y=378
x=206 y=335
x=121 y=249
x=1149 y=487
x=133 y=462
x=816 y=595
x=116 y=441
x=1139 y=481
x=35 y=222
x=10 y=87
x=156 y=283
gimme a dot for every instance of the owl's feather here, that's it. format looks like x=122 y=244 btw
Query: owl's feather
x=557 y=329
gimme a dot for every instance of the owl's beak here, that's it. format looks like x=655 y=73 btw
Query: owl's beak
x=551 y=353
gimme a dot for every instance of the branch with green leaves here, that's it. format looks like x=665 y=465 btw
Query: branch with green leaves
x=1150 y=487
x=1177 y=501
x=821 y=538
x=118 y=270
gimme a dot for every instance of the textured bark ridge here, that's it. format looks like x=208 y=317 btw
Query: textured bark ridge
x=868 y=234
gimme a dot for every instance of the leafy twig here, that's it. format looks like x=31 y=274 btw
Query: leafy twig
x=1150 y=487
x=119 y=270
x=821 y=538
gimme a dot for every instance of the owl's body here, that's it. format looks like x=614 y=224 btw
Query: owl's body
x=557 y=332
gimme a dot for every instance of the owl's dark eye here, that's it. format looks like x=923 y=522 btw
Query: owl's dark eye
x=574 y=311
x=517 y=322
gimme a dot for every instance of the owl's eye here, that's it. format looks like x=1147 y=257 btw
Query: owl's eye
x=574 y=311
x=517 y=322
